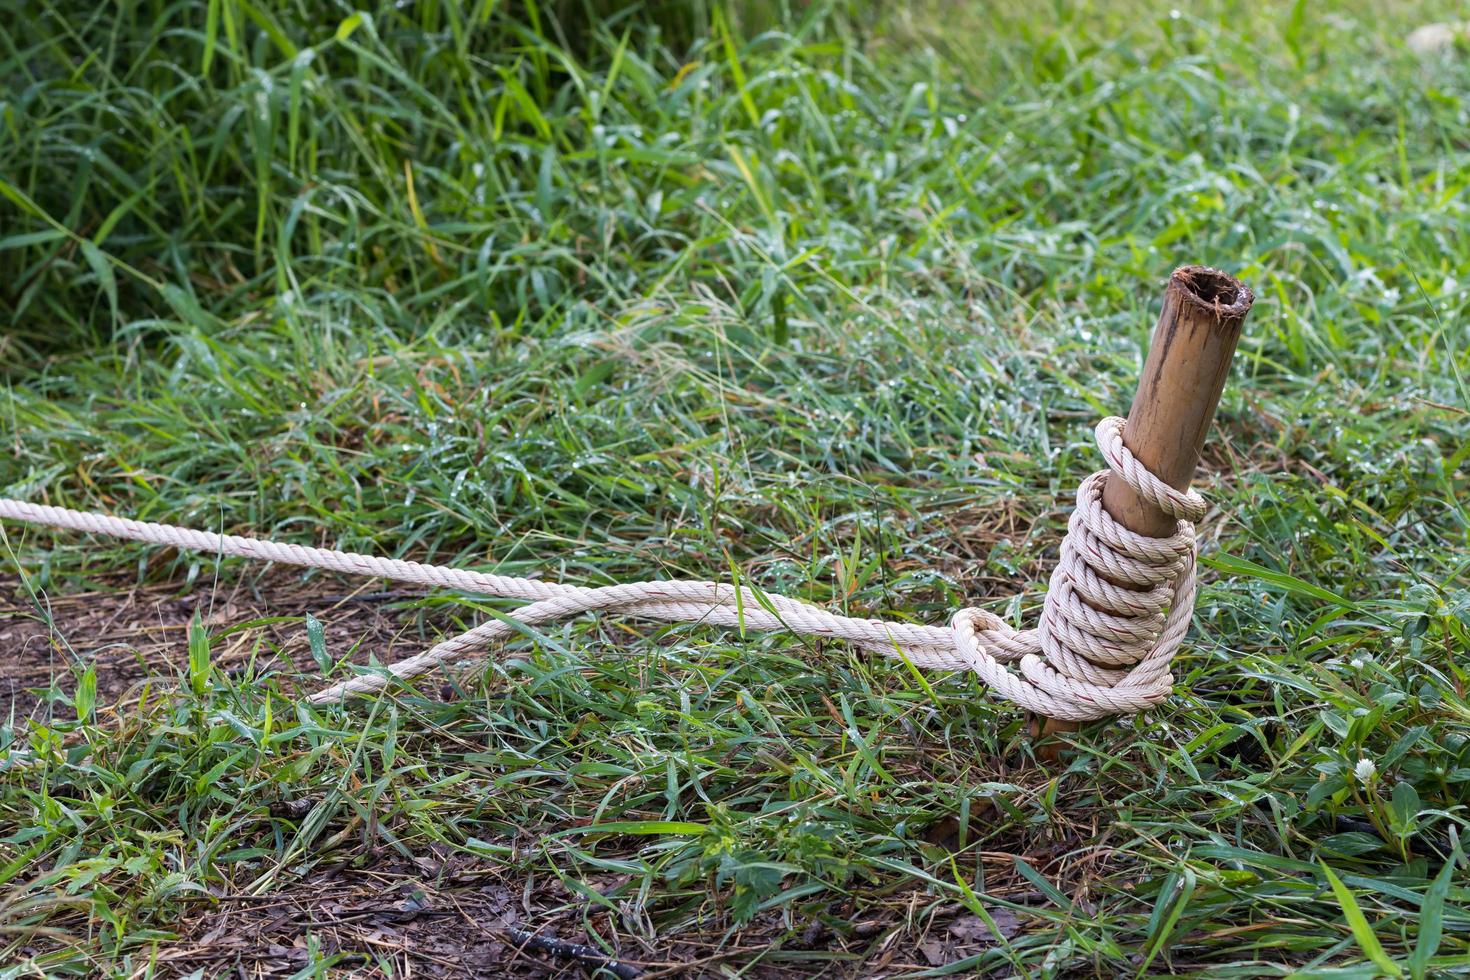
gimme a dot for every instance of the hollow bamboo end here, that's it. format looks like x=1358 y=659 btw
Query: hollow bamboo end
x=1219 y=294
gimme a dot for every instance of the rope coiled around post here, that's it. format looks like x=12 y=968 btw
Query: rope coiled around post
x=1101 y=648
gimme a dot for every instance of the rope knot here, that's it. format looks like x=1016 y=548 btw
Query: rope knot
x=1116 y=610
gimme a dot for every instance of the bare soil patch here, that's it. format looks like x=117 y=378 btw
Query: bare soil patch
x=449 y=915
x=137 y=635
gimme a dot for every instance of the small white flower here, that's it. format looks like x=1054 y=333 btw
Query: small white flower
x=1356 y=664
x=1365 y=770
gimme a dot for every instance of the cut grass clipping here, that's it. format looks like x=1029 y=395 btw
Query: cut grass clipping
x=824 y=298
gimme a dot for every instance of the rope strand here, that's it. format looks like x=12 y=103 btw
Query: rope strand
x=1099 y=648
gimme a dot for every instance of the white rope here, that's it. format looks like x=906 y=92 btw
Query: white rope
x=1099 y=649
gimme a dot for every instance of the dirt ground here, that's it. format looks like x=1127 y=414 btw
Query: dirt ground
x=451 y=916
x=437 y=914
x=137 y=635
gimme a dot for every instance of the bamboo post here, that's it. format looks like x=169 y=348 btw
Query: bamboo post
x=1188 y=362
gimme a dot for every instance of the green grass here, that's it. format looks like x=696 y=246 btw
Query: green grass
x=830 y=296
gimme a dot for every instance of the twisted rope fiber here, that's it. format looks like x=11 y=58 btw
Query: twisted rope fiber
x=1099 y=648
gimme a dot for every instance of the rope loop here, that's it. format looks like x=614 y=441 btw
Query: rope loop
x=1186 y=506
x=1116 y=610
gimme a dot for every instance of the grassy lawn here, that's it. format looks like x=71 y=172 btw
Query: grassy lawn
x=827 y=298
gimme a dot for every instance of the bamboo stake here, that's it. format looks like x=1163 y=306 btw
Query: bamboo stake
x=1188 y=362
